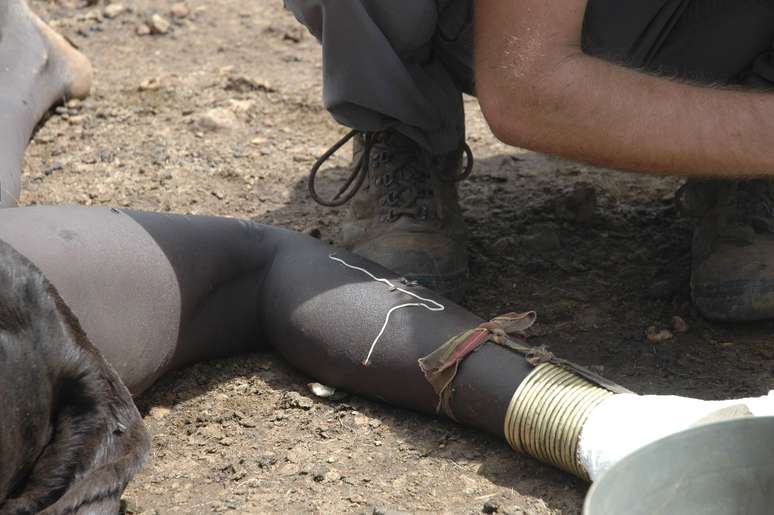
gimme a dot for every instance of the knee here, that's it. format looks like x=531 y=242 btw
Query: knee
x=409 y=25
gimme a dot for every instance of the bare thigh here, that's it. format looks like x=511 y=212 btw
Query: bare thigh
x=153 y=291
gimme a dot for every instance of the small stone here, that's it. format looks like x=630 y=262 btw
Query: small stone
x=113 y=10
x=158 y=24
x=293 y=400
x=218 y=119
x=656 y=336
x=490 y=507
x=679 y=325
x=73 y=103
x=152 y=84
x=55 y=167
x=332 y=476
x=142 y=30
x=180 y=10
x=159 y=412
x=241 y=106
x=266 y=461
x=92 y=16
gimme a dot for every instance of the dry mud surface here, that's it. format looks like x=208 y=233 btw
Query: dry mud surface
x=221 y=115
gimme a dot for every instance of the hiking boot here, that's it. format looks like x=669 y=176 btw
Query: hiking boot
x=405 y=213
x=732 y=273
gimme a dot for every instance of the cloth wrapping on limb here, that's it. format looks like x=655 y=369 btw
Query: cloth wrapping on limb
x=440 y=367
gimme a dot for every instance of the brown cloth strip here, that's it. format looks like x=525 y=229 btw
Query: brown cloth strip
x=440 y=367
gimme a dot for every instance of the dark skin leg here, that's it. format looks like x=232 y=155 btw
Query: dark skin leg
x=156 y=292
x=38 y=68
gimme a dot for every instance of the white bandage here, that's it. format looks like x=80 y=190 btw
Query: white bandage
x=621 y=424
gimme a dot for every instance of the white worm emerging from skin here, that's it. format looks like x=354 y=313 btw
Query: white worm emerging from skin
x=428 y=304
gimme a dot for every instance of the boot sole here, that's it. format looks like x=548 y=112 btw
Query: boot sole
x=735 y=301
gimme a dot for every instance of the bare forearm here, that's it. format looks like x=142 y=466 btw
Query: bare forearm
x=552 y=98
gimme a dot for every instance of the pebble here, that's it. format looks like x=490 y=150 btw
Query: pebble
x=656 y=336
x=332 y=476
x=113 y=10
x=158 y=24
x=321 y=390
x=490 y=507
x=142 y=30
x=241 y=106
x=55 y=166
x=217 y=119
x=180 y=10
x=152 y=84
x=679 y=325
x=295 y=401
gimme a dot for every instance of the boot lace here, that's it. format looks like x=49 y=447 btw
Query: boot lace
x=406 y=188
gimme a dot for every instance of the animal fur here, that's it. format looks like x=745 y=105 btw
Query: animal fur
x=70 y=435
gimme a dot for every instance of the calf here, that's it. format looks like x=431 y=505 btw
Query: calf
x=70 y=435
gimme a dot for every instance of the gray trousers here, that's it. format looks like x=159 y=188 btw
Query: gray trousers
x=404 y=64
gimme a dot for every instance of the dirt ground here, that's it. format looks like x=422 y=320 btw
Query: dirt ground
x=222 y=115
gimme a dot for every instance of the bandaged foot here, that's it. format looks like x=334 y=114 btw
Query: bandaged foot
x=621 y=424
